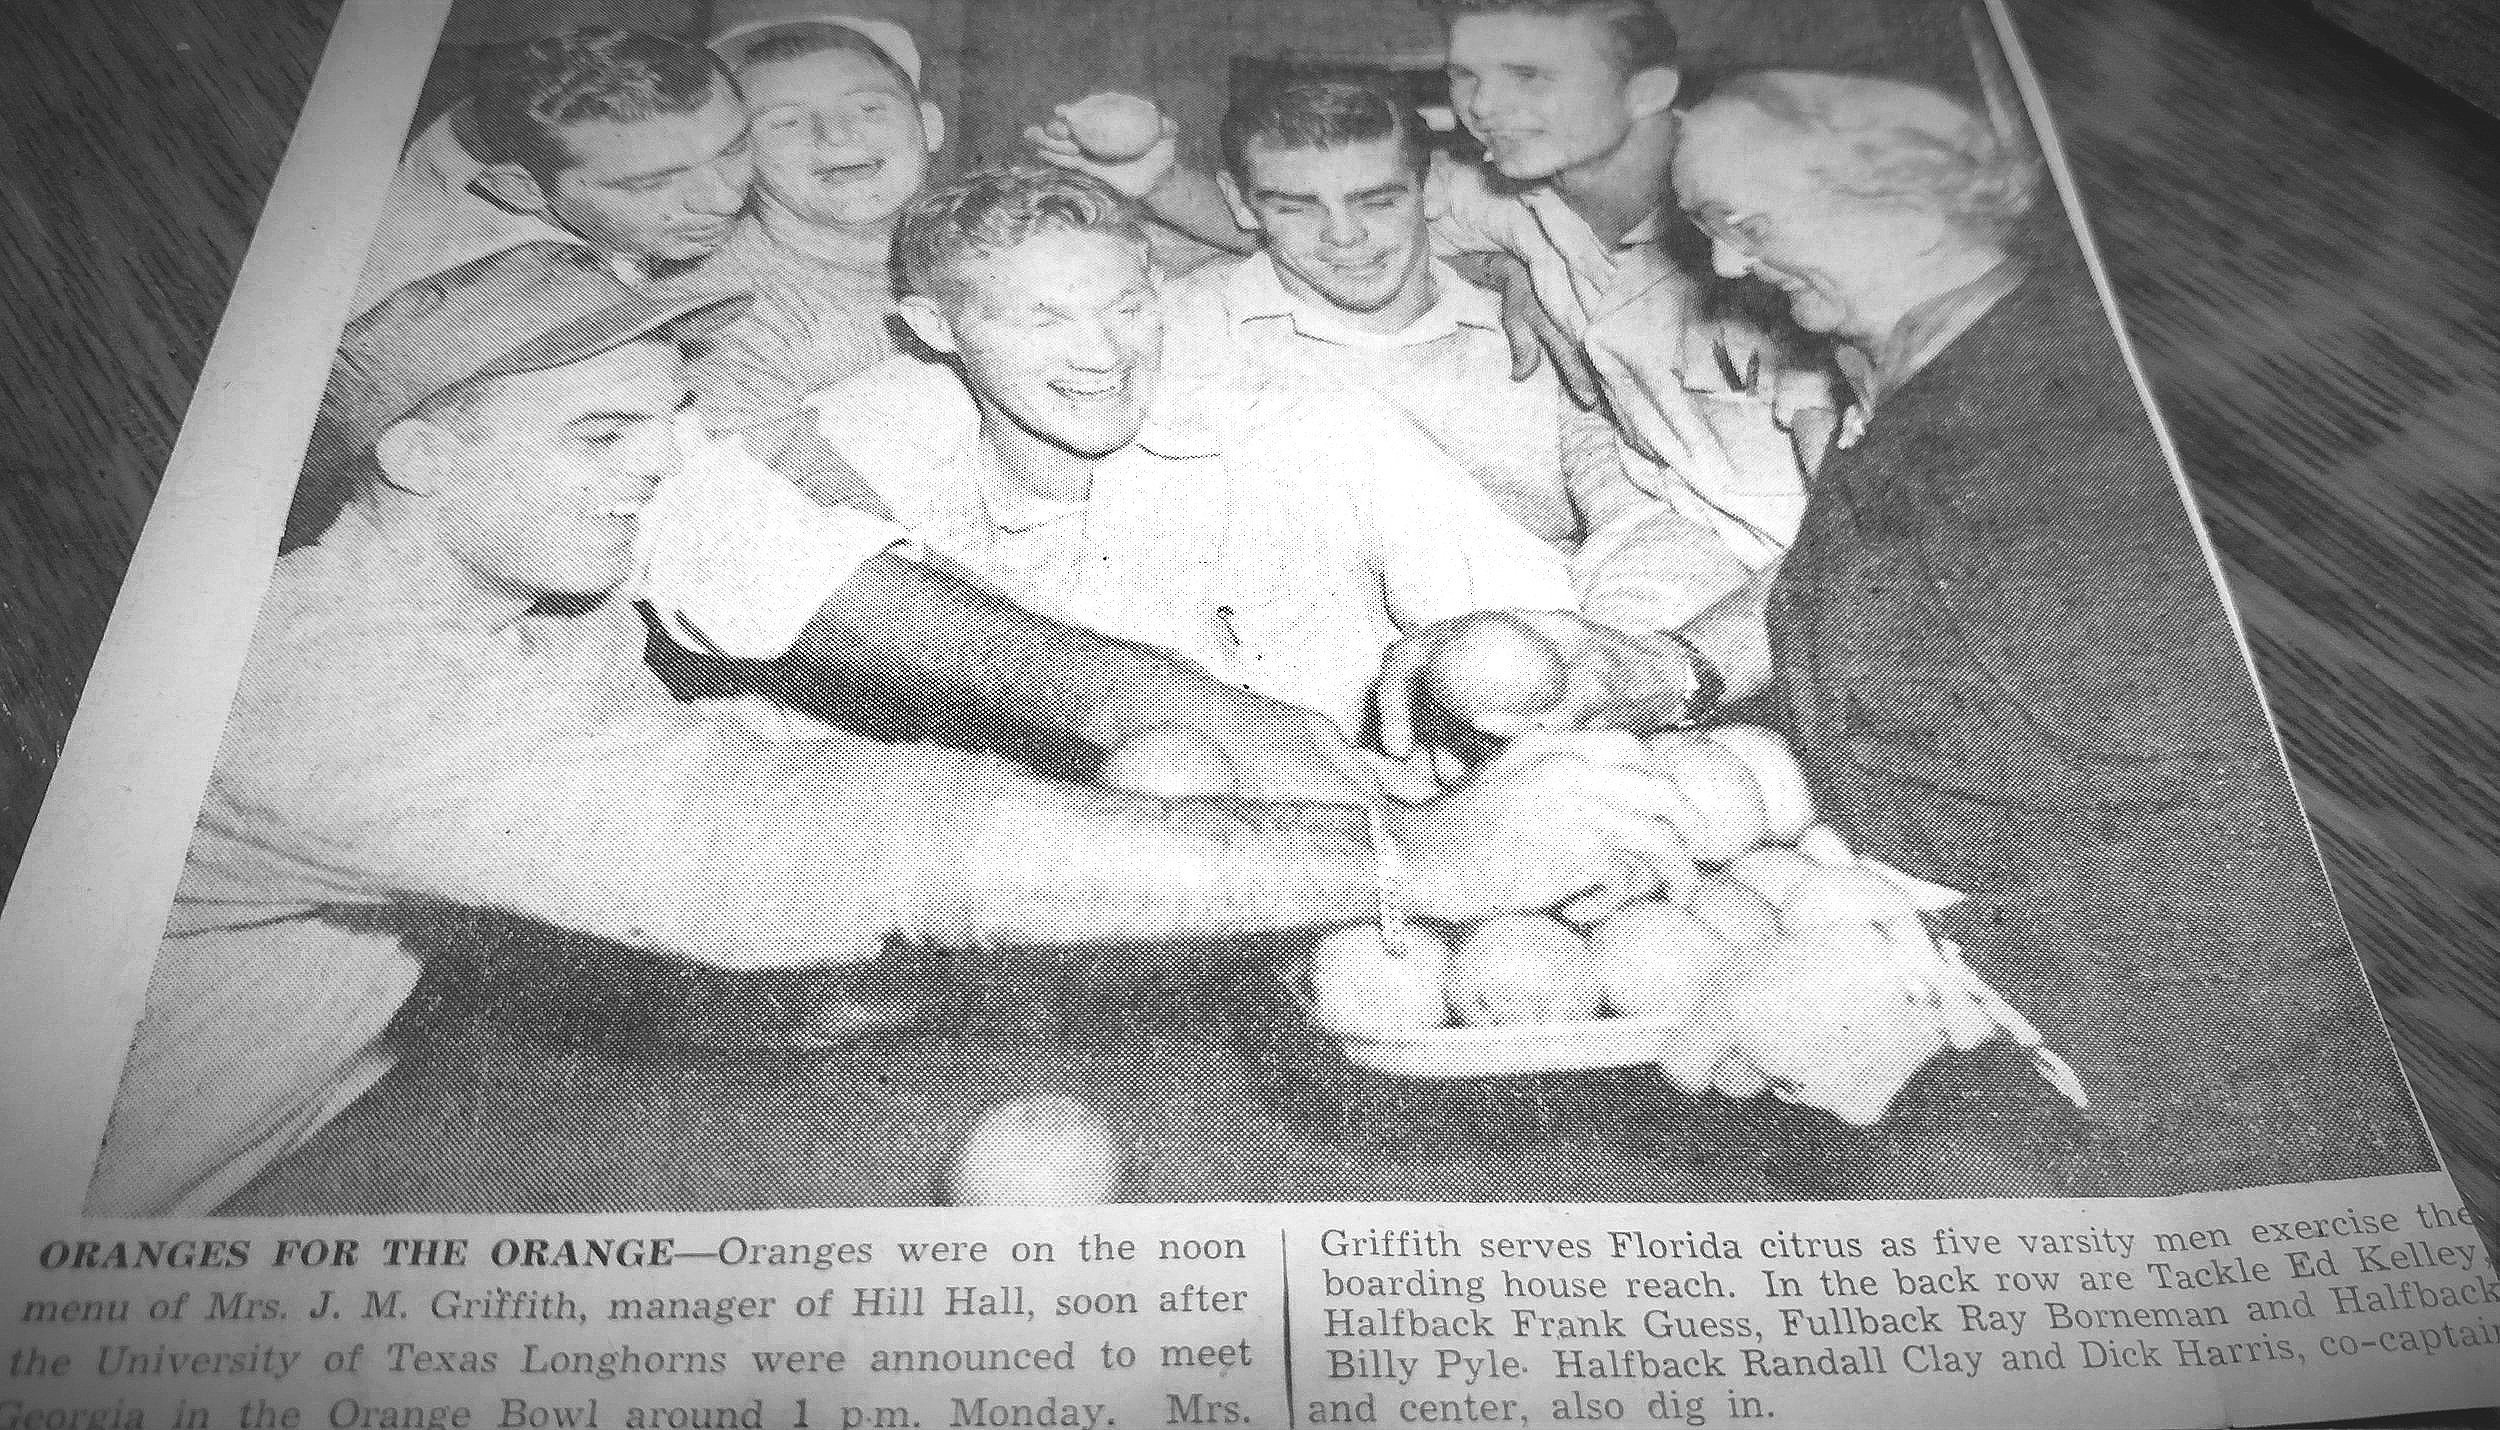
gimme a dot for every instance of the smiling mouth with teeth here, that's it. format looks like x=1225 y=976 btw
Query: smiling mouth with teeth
x=849 y=173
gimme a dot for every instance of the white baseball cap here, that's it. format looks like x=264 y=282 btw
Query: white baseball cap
x=737 y=26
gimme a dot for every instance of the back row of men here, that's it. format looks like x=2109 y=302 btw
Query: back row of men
x=790 y=161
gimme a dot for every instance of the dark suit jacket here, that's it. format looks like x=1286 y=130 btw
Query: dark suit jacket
x=2008 y=670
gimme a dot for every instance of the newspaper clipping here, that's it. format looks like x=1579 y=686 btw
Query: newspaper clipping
x=904 y=715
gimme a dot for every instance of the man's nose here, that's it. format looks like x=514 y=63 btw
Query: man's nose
x=653 y=455
x=1485 y=103
x=1342 y=230
x=837 y=131
x=1728 y=260
x=1090 y=346
x=720 y=189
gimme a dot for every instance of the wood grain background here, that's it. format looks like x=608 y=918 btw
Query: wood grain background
x=2303 y=234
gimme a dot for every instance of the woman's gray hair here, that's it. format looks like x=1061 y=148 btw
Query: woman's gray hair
x=1889 y=141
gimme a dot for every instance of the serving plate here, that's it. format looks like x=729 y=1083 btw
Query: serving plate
x=1588 y=1044
x=1455 y=1052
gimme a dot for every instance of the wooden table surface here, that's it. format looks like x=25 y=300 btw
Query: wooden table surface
x=2303 y=235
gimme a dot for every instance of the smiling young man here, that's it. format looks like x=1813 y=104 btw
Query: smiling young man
x=1330 y=173
x=842 y=141
x=445 y=713
x=1572 y=100
x=1279 y=533
x=631 y=144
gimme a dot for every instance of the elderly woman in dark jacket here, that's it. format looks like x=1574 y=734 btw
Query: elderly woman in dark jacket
x=2006 y=668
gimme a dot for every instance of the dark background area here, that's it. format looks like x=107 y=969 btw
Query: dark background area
x=2302 y=233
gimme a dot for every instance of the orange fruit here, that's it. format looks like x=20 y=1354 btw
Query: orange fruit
x=1788 y=807
x=1655 y=960
x=1493 y=671
x=1047 y=1151
x=1360 y=987
x=1523 y=968
x=1722 y=789
x=1114 y=127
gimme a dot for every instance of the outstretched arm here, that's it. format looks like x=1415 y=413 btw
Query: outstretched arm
x=796 y=576
x=924 y=631
x=1555 y=820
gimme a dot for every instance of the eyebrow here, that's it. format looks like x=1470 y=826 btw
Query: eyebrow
x=672 y=170
x=1377 y=191
x=886 y=90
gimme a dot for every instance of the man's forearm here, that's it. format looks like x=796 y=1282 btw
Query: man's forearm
x=1190 y=202
x=912 y=632
x=1053 y=865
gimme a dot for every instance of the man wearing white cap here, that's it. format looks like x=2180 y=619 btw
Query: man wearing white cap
x=446 y=711
x=842 y=140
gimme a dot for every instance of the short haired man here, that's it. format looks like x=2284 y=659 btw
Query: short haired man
x=1573 y=102
x=632 y=144
x=446 y=709
x=2007 y=669
x=1279 y=533
x=1331 y=172
x=842 y=140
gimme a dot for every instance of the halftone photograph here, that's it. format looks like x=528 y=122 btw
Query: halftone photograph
x=1052 y=602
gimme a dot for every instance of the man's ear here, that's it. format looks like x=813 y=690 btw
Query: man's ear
x=1243 y=214
x=1651 y=92
x=513 y=187
x=414 y=456
x=928 y=323
x=933 y=119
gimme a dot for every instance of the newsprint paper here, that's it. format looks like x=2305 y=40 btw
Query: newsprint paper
x=647 y=821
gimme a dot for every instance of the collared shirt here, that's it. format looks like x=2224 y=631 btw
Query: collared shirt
x=1448 y=371
x=1558 y=470
x=391 y=755
x=1914 y=342
x=1280 y=534
x=433 y=220
x=813 y=323
x=1700 y=401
